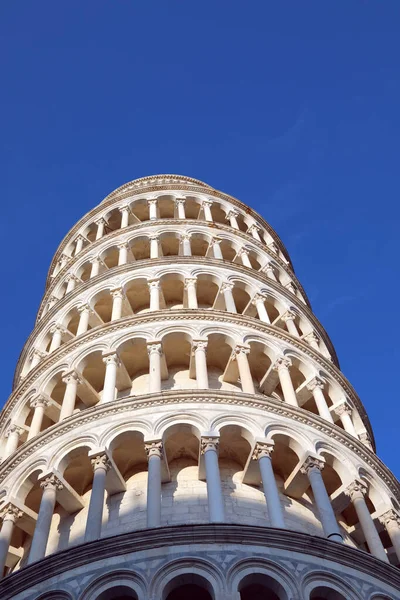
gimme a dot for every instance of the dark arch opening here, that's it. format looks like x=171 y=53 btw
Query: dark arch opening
x=259 y=586
x=118 y=592
x=324 y=593
x=190 y=591
x=188 y=586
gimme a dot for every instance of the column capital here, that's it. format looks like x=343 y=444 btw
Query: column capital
x=125 y=208
x=117 y=292
x=52 y=300
x=153 y=283
x=259 y=298
x=101 y=221
x=185 y=236
x=10 y=512
x=343 y=409
x=227 y=285
x=72 y=277
x=81 y=238
x=243 y=251
x=154 y=237
x=51 y=482
x=100 y=461
x=282 y=362
x=209 y=443
x=311 y=337
x=57 y=327
x=311 y=463
x=268 y=267
x=64 y=258
x=365 y=439
x=215 y=240
x=180 y=200
x=39 y=401
x=152 y=201
x=190 y=281
x=69 y=376
x=111 y=358
x=390 y=518
x=232 y=213
x=199 y=345
x=96 y=259
x=123 y=246
x=14 y=428
x=154 y=448
x=37 y=353
x=356 y=489
x=83 y=307
x=274 y=247
x=240 y=349
x=314 y=383
x=291 y=287
x=253 y=227
x=262 y=449
x=154 y=347
x=289 y=315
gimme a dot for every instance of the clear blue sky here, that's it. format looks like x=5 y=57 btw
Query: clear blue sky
x=291 y=106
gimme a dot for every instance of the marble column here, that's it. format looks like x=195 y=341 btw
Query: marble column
x=199 y=348
x=125 y=211
x=71 y=380
x=289 y=318
x=112 y=362
x=232 y=218
x=391 y=521
x=79 y=244
x=226 y=289
x=154 y=242
x=96 y=264
x=185 y=241
x=312 y=467
x=206 y=204
x=240 y=354
x=180 y=207
x=13 y=434
x=216 y=510
x=312 y=339
x=154 y=287
x=36 y=357
x=152 y=204
x=84 y=311
x=101 y=466
x=316 y=386
x=190 y=286
x=259 y=303
x=253 y=230
x=50 y=485
x=155 y=352
x=118 y=296
x=39 y=405
x=356 y=492
x=269 y=271
x=272 y=246
x=9 y=515
x=244 y=256
x=262 y=453
x=123 y=253
x=71 y=280
x=282 y=365
x=216 y=248
x=344 y=412
x=57 y=330
x=101 y=223
x=154 y=451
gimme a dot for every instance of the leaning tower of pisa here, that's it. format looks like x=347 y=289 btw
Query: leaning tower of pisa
x=179 y=426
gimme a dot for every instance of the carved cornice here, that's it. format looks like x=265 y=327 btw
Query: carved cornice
x=184 y=315
x=301 y=545
x=219 y=397
x=176 y=223
x=129 y=190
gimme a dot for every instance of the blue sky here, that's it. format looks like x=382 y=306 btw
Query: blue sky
x=291 y=106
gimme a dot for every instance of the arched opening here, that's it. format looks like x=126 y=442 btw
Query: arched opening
x=140 y=247
x=259 y=586
x=169 y=244
x=135 y=365
x=192 y=208
x=189 y=590
x=219 y=352
x=110 y=257
x=118 y=592
x=140 y=209
x=207 y=290
x=322 y=592
x=138 y=295
x=199 y=244
x=166 y=207
x=177 y=351
x=172 y=288
x=188 y=585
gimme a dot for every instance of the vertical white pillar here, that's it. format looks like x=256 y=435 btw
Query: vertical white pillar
x=154 y=451
x=206 y=204
x=288 y=318
x=356 y=491
x=199 y=348
x=57 y=330
x=71 y=380
x=180 y=207
x=226 y=289
x=71 y=280
x=272 y=246
x=240 y=354
x=13 y=434
x=112 y=362
x=312 y=339
x=253 y=229
x=101 y=465
x=154 y=245
x=312 y=468
x=100 y=228
x=269 y=271
x=316 y=386
x=366 y=440
x=190 y=286
x=118 y=300
x=344 y=412
x=262 y=453
x=282 y=365
x=9 y=515
x=209 y=448
x=64 y=260
x=152 y=203
x=154 y=287
x=125 y=211
x=216 y=248
x=232 y=218
x=49 y=485
x=123 y=253
x=39 y=405
x=36 y=357
x=291 y=287
x=79 y=244
x=244 y=255
x=96 y=264
x=84 y=311
x=185 y=241
x=155 y=352
x=391 y=521
x=258 y=302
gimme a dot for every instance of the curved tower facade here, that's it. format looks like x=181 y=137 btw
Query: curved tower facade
x=179 y=424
